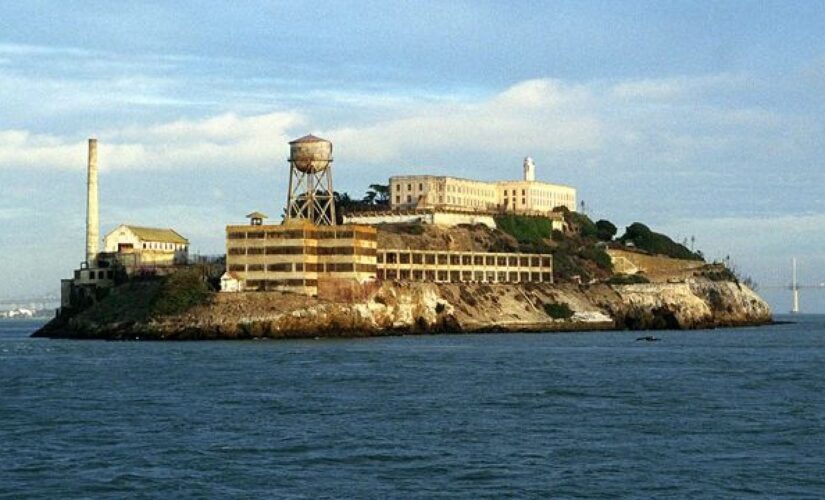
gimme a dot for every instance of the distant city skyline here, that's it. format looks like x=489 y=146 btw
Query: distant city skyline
x=697 y=119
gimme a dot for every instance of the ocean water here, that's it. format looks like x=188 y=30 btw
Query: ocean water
x=724 y=413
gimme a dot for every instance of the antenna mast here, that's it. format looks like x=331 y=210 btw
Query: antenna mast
x=795 y=290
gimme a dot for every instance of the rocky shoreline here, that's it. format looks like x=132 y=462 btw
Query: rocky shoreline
x=426 y=308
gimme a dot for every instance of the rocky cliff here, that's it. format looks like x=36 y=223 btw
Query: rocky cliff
x=396 y=308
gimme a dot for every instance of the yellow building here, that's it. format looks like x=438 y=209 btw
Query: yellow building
x=453 y=193
x=146 y=246
x=298 y=256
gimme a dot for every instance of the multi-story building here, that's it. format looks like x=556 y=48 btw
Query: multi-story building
x=301 y=257
x=298 y=256
x=453 y=193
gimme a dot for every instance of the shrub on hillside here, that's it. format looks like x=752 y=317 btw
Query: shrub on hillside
x=586 y=227
x=558 y=311
x=179 y=292
x=627 y=279
x=525 y=229
x=597 y=255
x=645 y=239
x=565 y=266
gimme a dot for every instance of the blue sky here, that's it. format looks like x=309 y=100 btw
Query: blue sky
x=697 y=118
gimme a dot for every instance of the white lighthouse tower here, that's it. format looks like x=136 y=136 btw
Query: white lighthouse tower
x=529 y=170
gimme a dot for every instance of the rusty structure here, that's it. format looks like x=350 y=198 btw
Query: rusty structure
x=311 y=196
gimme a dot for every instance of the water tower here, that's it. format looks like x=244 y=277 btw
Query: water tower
x=310 y=181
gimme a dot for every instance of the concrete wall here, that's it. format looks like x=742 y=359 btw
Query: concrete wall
x=454 y=219
x=655 y=267
x=388 y=218
x=439 y=217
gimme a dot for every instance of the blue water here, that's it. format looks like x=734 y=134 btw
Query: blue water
x=720 y=413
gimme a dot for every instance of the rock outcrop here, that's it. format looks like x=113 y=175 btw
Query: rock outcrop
x=398 y=308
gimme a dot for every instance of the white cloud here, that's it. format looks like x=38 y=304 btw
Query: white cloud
x=675 y=87
x=533 y=115
x=595 y=125
x=26 y=50
x=225 y=140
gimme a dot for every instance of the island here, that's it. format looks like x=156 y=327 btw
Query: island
x=419 y=255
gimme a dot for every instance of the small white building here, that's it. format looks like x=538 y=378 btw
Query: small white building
x=150 y=246
x=230 y=283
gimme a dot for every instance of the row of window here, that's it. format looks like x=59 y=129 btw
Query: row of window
x=465 y=276
x=450 y=189
x=329 y=267
x=301 y=234
x=523 y=192
x=158 y=245
x=303 y=250
x=464 y=260
x=94 y=275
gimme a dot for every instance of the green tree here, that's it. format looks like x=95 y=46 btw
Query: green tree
x=378 y=194
x=605 y=230
x=644 y=239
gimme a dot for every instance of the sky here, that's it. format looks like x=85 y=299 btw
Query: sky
x=699 y=119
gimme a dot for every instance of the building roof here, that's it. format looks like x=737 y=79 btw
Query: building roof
x=404 y=178
x=157 y=234
x=257 y=215
x=308 y=138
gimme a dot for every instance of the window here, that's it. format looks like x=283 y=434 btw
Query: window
x=409 y=187
x=409 y=199
x=398 y=199
x=420 y=186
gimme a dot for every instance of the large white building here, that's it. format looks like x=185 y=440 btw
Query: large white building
x=148 y=246
x=453 y=193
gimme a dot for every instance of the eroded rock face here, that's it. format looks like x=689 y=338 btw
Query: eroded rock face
x=694 y=304
x=397 y=308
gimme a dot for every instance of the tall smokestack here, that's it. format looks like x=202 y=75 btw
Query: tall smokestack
x=92 y=216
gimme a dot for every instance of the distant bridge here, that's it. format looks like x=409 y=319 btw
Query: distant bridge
x=795 y=287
